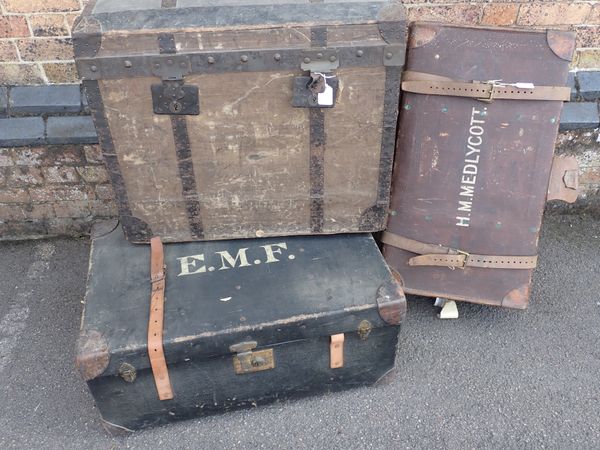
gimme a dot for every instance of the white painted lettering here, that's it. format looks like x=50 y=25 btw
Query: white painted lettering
x=271 y=249
x=189 y=262
x=464 y=205
x=226 y=257
x=462 y=221
x=470 y=168
x=466 y=191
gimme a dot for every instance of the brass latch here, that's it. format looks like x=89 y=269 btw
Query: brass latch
x=247 y=361
x=336 y=351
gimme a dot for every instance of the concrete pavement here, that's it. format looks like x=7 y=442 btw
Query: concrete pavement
x=491 y=379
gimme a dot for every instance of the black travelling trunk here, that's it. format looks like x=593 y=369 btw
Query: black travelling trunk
x=280 y=304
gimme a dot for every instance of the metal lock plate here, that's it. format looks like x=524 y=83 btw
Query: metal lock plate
x=247 y=361
x=175 y=98
x=306 y=97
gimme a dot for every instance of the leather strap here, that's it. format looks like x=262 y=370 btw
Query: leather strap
x=487 y=91
x=439 y=255
x=155 y=325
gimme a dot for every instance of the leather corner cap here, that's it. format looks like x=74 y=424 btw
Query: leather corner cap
x=562 y=43
x=564 y=179
x=517 y=298
x=422 y=33
x=391 y=303
x=92 y=356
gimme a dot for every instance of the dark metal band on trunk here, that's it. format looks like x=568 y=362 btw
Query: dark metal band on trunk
x=388 y=135
x=318 y=37
x=375 y=216
x=183 y=151
x=185 y=165
x=133 y=227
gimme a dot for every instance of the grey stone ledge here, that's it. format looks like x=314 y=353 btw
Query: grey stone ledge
x=571 y=84
x=53 y=99
x=71 y=130
x=578 y=116
x=21 y=131
x=589 y=85
x=3 y=101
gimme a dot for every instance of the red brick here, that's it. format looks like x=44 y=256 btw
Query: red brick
x=460 y=13
x=12 y=195
x=588 y=37
x=38 y=211
x=103 y=208
x=21 y=74
x=24 y=176
x=11 y=212
x=70 y=18
x=60 y=49
x=36 y=6
x=93 y=174
x=587 y=59
x=500 y=14
x=60 y=155
x=48 y=25
x=589 y=175
x=13 y=26
x=594 y=17
x=93 y=153
x=553 y=13
x=72 y=209
x=6 y=157
x=8 y=51
x=68 y=226
x=25 y=156
x=58 y=193
x=57 y=174
x=58 y=73
x=105 y=192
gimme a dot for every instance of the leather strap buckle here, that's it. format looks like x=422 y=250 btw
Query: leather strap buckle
x=495 y=84
x=465 y=260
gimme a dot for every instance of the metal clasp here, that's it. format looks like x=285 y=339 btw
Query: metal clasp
x=247 y=361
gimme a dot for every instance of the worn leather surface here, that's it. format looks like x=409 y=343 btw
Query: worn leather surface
x=512 y=171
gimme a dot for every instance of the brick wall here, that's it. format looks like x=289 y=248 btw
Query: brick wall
x=52 y=190
x=35 y=45
x=48 y=189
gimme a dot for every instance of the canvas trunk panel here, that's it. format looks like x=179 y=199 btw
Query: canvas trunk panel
x=479 y=118
x=246 y=322
x=244 y=120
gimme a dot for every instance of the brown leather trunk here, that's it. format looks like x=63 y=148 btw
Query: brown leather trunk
x=472 y=175
x=209 y=128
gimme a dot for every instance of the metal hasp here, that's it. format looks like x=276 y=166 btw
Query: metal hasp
x=319 y=89
x=308 y=91
x=247 y=361
x=173 y=97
